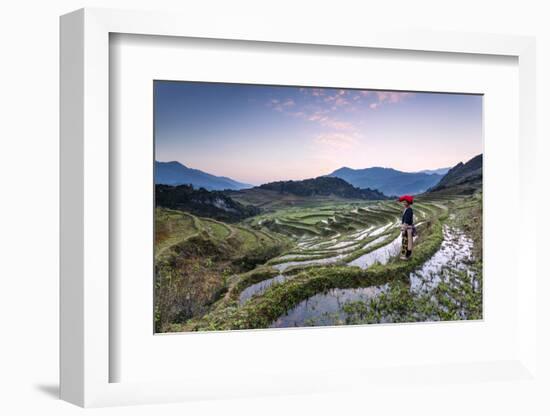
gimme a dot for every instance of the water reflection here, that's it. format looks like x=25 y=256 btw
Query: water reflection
x=381 y=255
x=260 y=287
x=326 y=308
x=455 y=252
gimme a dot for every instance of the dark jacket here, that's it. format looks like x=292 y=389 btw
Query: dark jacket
x=407 y=217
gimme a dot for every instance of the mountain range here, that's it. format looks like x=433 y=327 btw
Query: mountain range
x=174 y=173
x=368 y=183
x=464 y=178
x=440 y=171
x=389 y=181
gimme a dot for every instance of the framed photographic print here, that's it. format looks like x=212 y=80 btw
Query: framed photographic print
x=294 y=217
x=272 y=213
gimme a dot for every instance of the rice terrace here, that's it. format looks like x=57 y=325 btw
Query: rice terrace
x=319 y=249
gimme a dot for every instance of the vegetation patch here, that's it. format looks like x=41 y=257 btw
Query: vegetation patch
x=211 y=204
x=195 y=263
x=260 y=312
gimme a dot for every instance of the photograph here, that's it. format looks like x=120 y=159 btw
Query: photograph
x=285 y=206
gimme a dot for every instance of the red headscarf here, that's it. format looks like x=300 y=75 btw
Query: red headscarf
x=407 y=198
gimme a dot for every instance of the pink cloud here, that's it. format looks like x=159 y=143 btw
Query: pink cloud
x=388 y=97
x=341 y=102
x=392 y=96
x=279 y=105
x=315 y=112
x=336 y=97
x=329 y=121
x=337 y=125
x=337 y=141
x=315 y=117
x=315 y=92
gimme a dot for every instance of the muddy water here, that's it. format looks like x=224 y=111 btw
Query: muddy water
x=283 y=266
x=294 y=256
x=326 y=308
x=324 y=243
x=454 y=253
x=260 y=287
x=381 y=255
x=381 y=229
x=342 y=244
x=375 y=242
x=362 y=234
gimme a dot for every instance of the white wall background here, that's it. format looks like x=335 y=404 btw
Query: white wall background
x=29 y=197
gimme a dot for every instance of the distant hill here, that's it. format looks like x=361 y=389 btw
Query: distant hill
x=277 y=195
x=464 y=178
x=323 y=186
x=388 y=181
x=200 y=202
x=440 y=171
x=174 y=173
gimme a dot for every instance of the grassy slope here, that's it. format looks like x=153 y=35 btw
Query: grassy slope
x=258 y=236
x=261 y=311
x=195 y=258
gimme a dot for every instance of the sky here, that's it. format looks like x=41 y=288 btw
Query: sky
x=257 y=133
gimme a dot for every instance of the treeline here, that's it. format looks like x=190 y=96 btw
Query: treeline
x=204 y=203
x=324 y=186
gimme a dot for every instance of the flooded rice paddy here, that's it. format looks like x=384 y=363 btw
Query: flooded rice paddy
x=343 y=249
x=327 y=308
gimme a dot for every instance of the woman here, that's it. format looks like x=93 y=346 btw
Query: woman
x=407 y=227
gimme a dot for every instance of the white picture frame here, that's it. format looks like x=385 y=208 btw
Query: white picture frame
x=85 y=350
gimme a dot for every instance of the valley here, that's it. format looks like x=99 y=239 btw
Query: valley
x=318 y=261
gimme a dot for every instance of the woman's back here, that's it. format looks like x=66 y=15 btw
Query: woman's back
x=407 y=216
